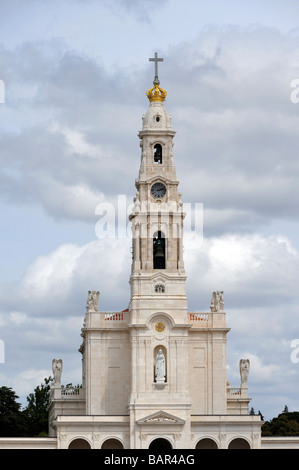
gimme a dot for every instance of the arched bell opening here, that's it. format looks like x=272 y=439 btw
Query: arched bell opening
x=159 y=250
x=158 y=154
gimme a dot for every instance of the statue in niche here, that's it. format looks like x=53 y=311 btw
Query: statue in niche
x=160 y=367
x=244 y=371
x=92 y=301
x=217 y=302
x=57 y=370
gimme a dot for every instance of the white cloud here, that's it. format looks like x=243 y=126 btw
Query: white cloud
x=25 y=379
x=237 y=264
x=62 y=278
x=51 y=275
x=252 y=269
x=18 y=318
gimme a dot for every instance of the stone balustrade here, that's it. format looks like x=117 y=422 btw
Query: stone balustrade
x=114 y=316
x=234 y=392
x=57 y=392
x=70 y=391
x=97 y=319
x=207 y=319
x=200 y=317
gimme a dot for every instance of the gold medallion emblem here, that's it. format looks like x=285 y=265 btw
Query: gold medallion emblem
x=159 y=327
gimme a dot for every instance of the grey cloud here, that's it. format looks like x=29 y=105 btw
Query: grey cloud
x=37 y=168
x=253 y=270
x=235 y=148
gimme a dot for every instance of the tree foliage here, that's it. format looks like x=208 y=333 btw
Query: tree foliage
x=13 y=423
x=285 y=424
x=30 y=422
x=37 y=409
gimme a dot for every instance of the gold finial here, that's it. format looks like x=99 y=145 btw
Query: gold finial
x=156 y=93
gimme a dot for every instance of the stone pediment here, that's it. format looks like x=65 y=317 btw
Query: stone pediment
x=163 y=178
x=161 y=417
x=160 y=277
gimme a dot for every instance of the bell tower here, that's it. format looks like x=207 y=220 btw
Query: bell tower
x=158 y=306
x=157 y=217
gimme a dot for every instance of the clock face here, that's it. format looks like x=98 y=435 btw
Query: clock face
x=158 y=190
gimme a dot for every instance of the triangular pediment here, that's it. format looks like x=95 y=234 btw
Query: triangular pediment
x=154 y=179
x=161 y=417
x=160 y=277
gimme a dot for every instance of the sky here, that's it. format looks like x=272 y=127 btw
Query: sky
x=74 y=76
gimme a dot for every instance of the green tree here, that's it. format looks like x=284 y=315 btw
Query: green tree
x=285 y=424
x=37 y=409
x=13 y=423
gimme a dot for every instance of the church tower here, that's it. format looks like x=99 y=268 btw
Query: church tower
x=158 y=304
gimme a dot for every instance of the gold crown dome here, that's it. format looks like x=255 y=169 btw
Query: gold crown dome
x=156 y=93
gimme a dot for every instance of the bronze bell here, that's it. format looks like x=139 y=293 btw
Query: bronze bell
x=159 y=251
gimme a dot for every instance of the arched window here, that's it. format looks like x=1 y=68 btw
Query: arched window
x=79 y=444
x=160 y=288
x=206 y=443
x=158 y=153
x=112 y=444
x=160 y=444
x=239 y=443
x=159 y=250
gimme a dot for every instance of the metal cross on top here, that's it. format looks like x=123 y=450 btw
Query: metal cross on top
x=156 y=59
